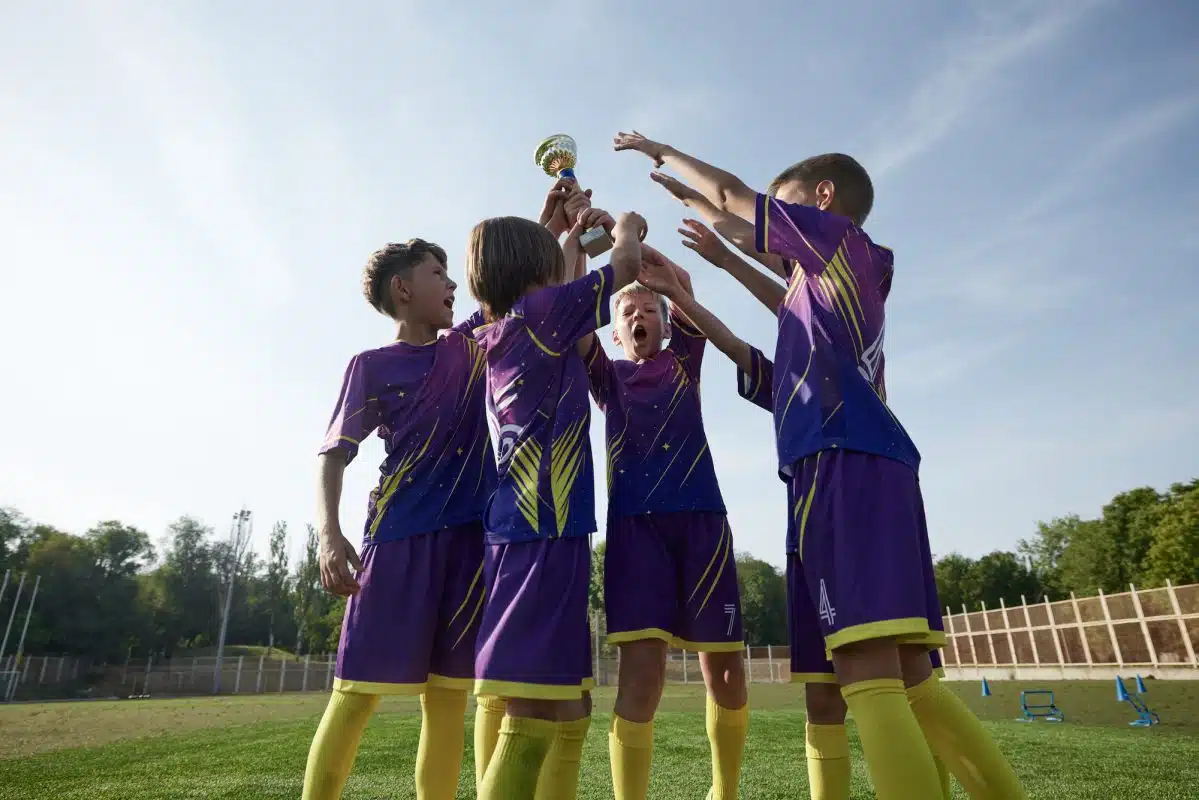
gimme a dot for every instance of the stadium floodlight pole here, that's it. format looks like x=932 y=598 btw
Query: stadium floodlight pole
x=239 y=536
x=20 y=651
x=16 y=601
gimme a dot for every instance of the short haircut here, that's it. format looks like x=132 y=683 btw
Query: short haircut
x=508 y=256
x=855 y=191
x=390 y=260
x=630 y=289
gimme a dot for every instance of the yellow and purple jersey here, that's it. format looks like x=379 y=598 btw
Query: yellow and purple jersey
x=426 y=402
x=539 y=412
x=828 y=383
x=658 y=456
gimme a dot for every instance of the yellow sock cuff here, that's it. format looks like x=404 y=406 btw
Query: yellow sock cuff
x=528 y=727
x=926 y=688
x=492 y=705
x=575 y=728
x=632 y=734
x=874 y=687
x=826 y=742
x=735 y=717
x=440 y=700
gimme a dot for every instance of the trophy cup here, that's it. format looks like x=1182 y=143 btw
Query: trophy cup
x=557 y=156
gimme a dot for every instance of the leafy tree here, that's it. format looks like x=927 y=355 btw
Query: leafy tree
x=763 y=601
x=277 y=585
x=311 y=601
x=955 y=581
x=595 y=593
x=1174 y=554
x=1044 y=551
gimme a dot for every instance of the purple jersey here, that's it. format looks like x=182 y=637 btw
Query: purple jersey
x=427 y=403
x=757 y=386
x=539 y=412
x=828 y=385
x=658 y=456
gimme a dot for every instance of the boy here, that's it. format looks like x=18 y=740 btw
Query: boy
x=413 y=612
x=866 y=565
x=827 y=742
x=670 y=574
x=533 y=646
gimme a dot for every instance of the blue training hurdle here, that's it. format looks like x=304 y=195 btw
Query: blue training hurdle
x=1145 y=715
x=1047 y=710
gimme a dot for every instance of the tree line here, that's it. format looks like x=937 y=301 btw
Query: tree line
x=110 y=589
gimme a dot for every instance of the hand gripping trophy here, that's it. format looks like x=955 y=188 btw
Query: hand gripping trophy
x=557 y=156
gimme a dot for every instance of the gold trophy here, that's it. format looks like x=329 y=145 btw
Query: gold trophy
x=557 y=156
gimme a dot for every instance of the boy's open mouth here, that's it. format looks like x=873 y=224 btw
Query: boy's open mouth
x=639 y=333
x=449 y=303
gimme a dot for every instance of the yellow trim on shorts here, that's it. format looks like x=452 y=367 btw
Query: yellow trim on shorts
x=939 y=672
x=910 y=630
x=813 y=677
x=708 y=647
x=533 y=691
x=378 y=687
x=625 y=637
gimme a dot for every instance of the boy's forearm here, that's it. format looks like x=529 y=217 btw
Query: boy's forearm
x=328 y=505
x=736 y=230
x=723 y=189
x=767 y=290
x=717 y=332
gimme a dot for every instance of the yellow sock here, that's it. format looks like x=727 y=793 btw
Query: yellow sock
x=898 y=758
x=956 y=735
x=516 y=764
x=336 y=744
x=631 y=751
x=943 y=777
x=559 y=778
x=828 y=761
x=442 y=735
x=726 y=734
x=489 y=714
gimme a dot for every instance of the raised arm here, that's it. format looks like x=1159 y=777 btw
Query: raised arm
x=626 y=252
x=699 y=238
x=586 y=219
x=663 y=276
x=723 y=189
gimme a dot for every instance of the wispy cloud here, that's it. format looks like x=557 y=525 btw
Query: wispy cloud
x=974 y=63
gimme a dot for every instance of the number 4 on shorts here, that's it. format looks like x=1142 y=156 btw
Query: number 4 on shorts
x=827 y=613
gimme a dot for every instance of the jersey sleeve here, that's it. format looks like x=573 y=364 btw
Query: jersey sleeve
x=601 y=375
x=687 y=342
x=558 y=316
x=757 y=385
x=357 y=412
x=803 y=234
x=468 y=326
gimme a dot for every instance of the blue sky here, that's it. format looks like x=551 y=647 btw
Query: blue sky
x=189 y=194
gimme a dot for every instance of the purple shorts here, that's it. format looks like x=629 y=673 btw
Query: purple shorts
x=863 y=549
x=673 y=576
x=809 y=662
x=535 y=638
x=413 y=624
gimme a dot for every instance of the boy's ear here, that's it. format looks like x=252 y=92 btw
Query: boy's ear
x=826 y=193
x=615 y=337
x=398 y=289
x=666 y=328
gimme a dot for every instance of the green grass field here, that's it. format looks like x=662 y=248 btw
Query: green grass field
x=255 y=747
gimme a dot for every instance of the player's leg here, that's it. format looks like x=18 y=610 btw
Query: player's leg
x=953 y=732
x=386 y=642
x=533 y=648
x=712 y=626
x=826 y=741
x=452 y=663
x=489 y=715
x=640 y=596
x=860 y=554
x=934 y=657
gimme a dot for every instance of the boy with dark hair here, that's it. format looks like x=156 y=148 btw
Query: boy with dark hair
x=414 y=606
x=852 y=469
x=534 y=645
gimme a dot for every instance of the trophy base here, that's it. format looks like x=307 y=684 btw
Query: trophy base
x=595 y=242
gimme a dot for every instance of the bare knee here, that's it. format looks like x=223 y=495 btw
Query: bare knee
x=825 y=705
x=873 y=659
x=915 y=664
x=549 y=710
x=642 y=678
x=724 y=675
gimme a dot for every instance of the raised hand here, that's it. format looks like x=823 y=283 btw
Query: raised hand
x=632 y=223
x=681 y=191
x=576 y=202
x=553 y=211
x=701 y=239
x=635 y=141
x=572 y=251
x=660 y=274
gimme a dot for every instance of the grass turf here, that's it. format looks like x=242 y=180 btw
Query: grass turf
x=255 y=746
